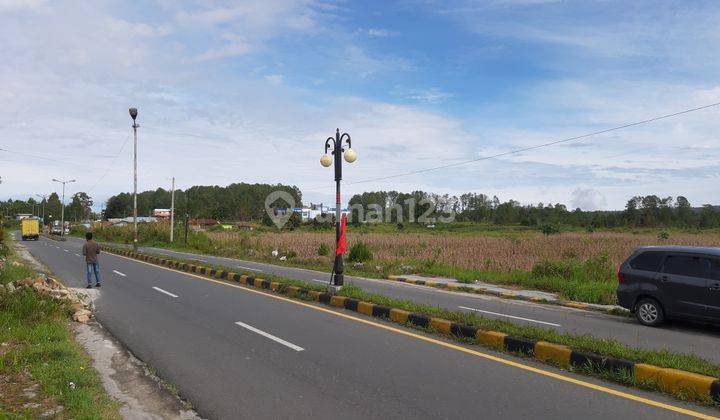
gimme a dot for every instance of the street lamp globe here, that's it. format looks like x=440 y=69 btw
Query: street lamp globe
x=326 y=160
x=350 y=156
x=133 y=113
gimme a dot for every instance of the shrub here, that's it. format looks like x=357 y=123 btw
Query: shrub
x=216 y=228
x=360 y=253
x=323 y=222
x=550 y=229
x=663 y=235
x=547 y=268
x=323 y=250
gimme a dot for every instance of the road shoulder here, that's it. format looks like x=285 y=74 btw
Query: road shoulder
x=125 y=379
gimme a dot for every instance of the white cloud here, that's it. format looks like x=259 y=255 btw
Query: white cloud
x=69 y=98
x=275 y=79
x=588 y=199
x=431 y=95
x=379 y=33
x=22 y=5
x=231 y=49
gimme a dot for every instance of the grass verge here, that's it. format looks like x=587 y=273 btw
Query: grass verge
x=39 y=352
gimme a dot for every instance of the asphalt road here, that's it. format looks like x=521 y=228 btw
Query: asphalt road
x=236 y=352
x=699 y=339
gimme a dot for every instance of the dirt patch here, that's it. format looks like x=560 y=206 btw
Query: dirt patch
x=129 y=380
x=21 y=393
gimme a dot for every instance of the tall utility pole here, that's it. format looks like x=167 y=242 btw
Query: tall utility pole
x=133 y=115
x=43 y=206
x=62 y=207
x=172 y=210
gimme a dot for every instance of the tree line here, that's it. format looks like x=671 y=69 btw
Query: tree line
x=239 y=202
x=78 y=208
x=246 y=202
x=640 y=211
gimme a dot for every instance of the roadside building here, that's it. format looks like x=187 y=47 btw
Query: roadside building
x=129 y=221
x=161 y=213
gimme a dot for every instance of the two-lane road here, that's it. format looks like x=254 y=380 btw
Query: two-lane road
x=702 y=340
x=237 y=352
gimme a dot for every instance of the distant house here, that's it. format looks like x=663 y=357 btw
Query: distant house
x=161 y=213
x=129 y=220
x=308 y=214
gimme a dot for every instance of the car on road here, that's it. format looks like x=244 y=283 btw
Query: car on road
x=679 y=282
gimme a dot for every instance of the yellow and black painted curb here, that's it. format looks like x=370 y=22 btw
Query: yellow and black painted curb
x=505 y=295
x=677 y=382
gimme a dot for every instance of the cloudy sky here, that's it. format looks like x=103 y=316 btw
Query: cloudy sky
x=232 y=91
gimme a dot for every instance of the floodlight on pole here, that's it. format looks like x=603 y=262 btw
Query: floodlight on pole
x=133 y=115
x=62 y=207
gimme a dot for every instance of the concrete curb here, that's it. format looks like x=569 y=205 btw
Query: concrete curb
x=465 y=289
x=677 y=382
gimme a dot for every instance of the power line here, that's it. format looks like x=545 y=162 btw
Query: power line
x=92 y=189
x=525 y=149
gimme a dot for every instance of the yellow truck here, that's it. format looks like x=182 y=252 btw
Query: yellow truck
x=30 y=229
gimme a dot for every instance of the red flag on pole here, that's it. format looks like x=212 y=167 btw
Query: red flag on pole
x=342 y=240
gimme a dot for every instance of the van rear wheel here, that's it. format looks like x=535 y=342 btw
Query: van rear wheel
x=649 y=312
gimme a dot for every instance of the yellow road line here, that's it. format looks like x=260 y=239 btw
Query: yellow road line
x=476 y=353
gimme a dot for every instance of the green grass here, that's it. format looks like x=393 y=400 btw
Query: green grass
x=604 y=347
x=41 y=343
x=577 y=282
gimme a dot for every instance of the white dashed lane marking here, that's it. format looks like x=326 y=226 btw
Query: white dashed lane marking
x=270 y=336
x=164 y=291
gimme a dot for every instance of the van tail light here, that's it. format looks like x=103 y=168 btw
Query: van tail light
x=620 y=276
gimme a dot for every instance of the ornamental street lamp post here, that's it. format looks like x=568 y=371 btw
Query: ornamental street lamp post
x=326 y=161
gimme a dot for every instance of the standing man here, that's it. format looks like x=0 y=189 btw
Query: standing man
x=91 y=249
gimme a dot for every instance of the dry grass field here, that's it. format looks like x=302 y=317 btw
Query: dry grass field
x=577 y=265
x=475 y=252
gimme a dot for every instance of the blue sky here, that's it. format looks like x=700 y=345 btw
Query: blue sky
x=247 y=91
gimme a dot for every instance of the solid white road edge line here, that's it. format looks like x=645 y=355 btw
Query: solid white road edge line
x=164 y=291
x=248 y=268
x=119 y=273
x=510 y=316
x=270 y=336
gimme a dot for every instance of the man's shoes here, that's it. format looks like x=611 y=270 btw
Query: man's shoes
x=97 y=284
x=89 y=286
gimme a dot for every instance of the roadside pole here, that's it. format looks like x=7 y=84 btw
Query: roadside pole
x=133 y=115
x=187 y=220
x=62 y=207
x=172 y=210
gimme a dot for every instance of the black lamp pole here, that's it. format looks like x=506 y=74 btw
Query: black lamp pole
x=337 y=151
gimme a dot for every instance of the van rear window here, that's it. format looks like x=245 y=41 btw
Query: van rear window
x=648 y=261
